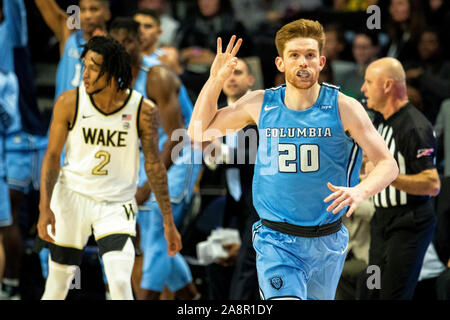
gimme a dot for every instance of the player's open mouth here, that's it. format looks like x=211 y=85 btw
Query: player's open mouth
x=303 y=74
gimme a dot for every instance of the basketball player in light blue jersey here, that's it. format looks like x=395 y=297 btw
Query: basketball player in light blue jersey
x=9 y=122
x=25 y=141
x=94 y=14
x=308 y=155
x=8 y=109
x=158 y=83
x=9 y=119
x=149 y=32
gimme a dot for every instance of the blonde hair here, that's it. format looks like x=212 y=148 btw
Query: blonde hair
x=302 y=28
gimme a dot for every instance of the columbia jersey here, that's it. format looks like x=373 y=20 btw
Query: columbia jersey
x=140 y=85
x=177 y=173
x=102 y=150
x=183 y=97
x=69 y=73
x=298 y=153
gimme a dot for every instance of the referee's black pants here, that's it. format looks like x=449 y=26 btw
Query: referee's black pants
x=399 y=239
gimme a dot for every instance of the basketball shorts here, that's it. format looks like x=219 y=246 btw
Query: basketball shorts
x=5 y=208
x=24 y=155
x=158 y=268
x=78 y=216
x=292 y=267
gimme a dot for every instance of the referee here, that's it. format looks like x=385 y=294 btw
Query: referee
x=404 y=220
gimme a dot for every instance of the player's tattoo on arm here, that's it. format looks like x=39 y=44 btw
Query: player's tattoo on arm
x=154 y=167
x=51 y=176
x=163 y=87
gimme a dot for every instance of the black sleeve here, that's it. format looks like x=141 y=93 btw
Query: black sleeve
x=421 y=149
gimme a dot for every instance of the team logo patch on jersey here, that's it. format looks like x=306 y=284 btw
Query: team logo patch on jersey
x=276 y=282
x=126 y=117
x=424 y=152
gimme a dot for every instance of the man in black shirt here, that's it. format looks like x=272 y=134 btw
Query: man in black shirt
x=404 y=220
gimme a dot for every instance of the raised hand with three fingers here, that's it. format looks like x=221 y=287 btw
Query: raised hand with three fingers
x=225 y=62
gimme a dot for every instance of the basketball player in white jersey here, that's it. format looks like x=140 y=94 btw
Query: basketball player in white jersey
x=101 y=123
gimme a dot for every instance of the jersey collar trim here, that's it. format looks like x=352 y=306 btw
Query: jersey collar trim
x=91 y=99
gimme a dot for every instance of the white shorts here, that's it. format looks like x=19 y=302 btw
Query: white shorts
x=78 y=216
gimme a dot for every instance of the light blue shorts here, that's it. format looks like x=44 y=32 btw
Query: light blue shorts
x=5 y=208
x=158 y=268
x=24 y=155
x=291 y=267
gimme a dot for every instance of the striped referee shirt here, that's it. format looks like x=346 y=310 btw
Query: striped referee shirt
x=411 y=140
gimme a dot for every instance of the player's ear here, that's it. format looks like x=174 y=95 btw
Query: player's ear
x=322 y=61
x=280 y=64
x=251 y=80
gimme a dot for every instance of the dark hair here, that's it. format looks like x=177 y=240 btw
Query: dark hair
x=372 y=35
x=415 y=22
x=338 y=29
x=225 y=6
x=126 y=23
x=151 y=13
x=116 y=61
x=104 y=2
x=431 y=29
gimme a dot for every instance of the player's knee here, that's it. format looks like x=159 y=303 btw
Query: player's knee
x=119 y=284
x=58 y=281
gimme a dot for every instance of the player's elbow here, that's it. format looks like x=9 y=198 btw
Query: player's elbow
x=395 y=169
x=393 y=166
x=435 y=187
x=435 y=191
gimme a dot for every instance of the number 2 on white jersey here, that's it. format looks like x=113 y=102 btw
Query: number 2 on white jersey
x=106 y=157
